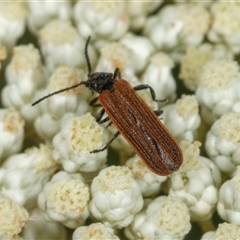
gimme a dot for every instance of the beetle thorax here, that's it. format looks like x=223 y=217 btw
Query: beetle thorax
x=100 y=81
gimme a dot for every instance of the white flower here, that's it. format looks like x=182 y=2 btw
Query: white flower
x=13 y=218
x=196 y=58
x=12 y=21
x=139 y=11
x=223 y=28
x=222 y=142
x=54 y=110
x=217 y=92
x=196 y=182
x=149 y=183
x=117 y=55
x=93 y=232
x=209 y=236
x=191 y=65
x=163 y=218
x=229 y=198
x=11 y=132
x=74 y=143
x=23 y=175
x=158 y=75
x=219 y=50
x=65 y=199
x=40 y=228
x=174 y=28
x=182 y=118
x=103 y=21
x=141 y=49
x=24 y=75
x=41 y=12
x=61 y=44
x=3 y=52
x=116 y=197
x=224 y=231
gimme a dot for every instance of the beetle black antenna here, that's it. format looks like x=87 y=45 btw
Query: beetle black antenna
x=59 y=91
x=87 y=57
x=117 y=74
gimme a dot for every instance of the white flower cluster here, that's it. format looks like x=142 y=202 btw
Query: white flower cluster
x=11 y=132
x=65 y=199
x=94 y=231
x=116 y=187
x=103 y=22
x=24 y=75
x=229 y=196
x=42 y=12
x=178 y=26
x=224 y=231
x=150 y=183
x=216 y=92
x=224 y=29
x=196 y=183
x=60 y=178
x=195 y=59
x=13 y=16
x=3 y=52
x=74 y=143
x=222 y=142
x=53 y=111
x=183 y=113
x=23 y=175
x=61 y=44
x=162 y=218
x=13 y=218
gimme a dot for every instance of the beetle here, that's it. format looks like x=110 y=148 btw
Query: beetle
x=133 y=118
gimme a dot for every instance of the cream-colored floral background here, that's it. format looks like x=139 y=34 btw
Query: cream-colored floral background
x=51 y=184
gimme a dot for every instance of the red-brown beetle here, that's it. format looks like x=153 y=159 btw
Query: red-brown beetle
x=133 y=118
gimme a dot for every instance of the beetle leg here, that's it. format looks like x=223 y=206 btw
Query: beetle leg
x=107 y=145
x=100 y=115
x=158 y=112
x=109 y=124
x=104 y=120
x=145 y=86
x=100 y=120
x=93 y=102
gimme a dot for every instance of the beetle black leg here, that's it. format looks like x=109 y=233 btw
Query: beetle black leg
x=145 y=86
x=109 y=124
x=100 y=115
x=100 y=120
x=104 y=120
x=158 y=112
x=93 y=103
x=107 y=145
